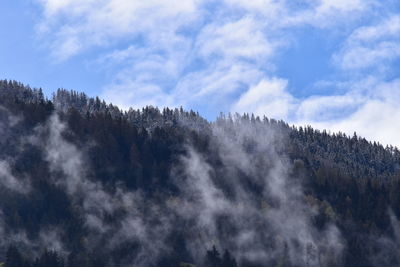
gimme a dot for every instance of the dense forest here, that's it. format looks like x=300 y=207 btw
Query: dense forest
x=83 y=183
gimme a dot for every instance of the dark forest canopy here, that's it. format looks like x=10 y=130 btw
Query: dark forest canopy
x=84 y=183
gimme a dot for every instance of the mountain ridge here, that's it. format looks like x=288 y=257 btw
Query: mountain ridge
x=102 y=187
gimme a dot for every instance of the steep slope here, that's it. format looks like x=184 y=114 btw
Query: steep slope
x=105 y=187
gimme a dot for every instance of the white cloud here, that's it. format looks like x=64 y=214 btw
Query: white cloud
x=99 y=23
x=374 y=120
x=372 y=112
x=371 y=46
x=390 y=27
x=55 y=7
x=369 y=107
x=328 y=6
x=269 y=9
x=218 y=80
x=326 y=13
x=134 y=94
x=243 y=38
x=363 y=57
x=268 y=97
x=326 y=108
x=220 y=55
x=234 y=52
x=72 y=26
x=320 y=13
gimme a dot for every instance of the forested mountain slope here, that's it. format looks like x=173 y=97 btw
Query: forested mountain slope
x=83 y=183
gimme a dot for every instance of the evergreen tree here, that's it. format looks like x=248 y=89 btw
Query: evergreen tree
x=213 y=258
x=14 y=258
x=49 y=259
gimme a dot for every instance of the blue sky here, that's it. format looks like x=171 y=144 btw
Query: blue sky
x=334 y=64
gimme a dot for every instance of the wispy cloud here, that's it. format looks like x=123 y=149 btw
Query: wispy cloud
x=267 y=97
x=374 y=112
x=221 y=55
x=74 y=26
x=278 y=213
x=371 y=46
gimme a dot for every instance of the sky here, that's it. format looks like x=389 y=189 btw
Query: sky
x=332 y=64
